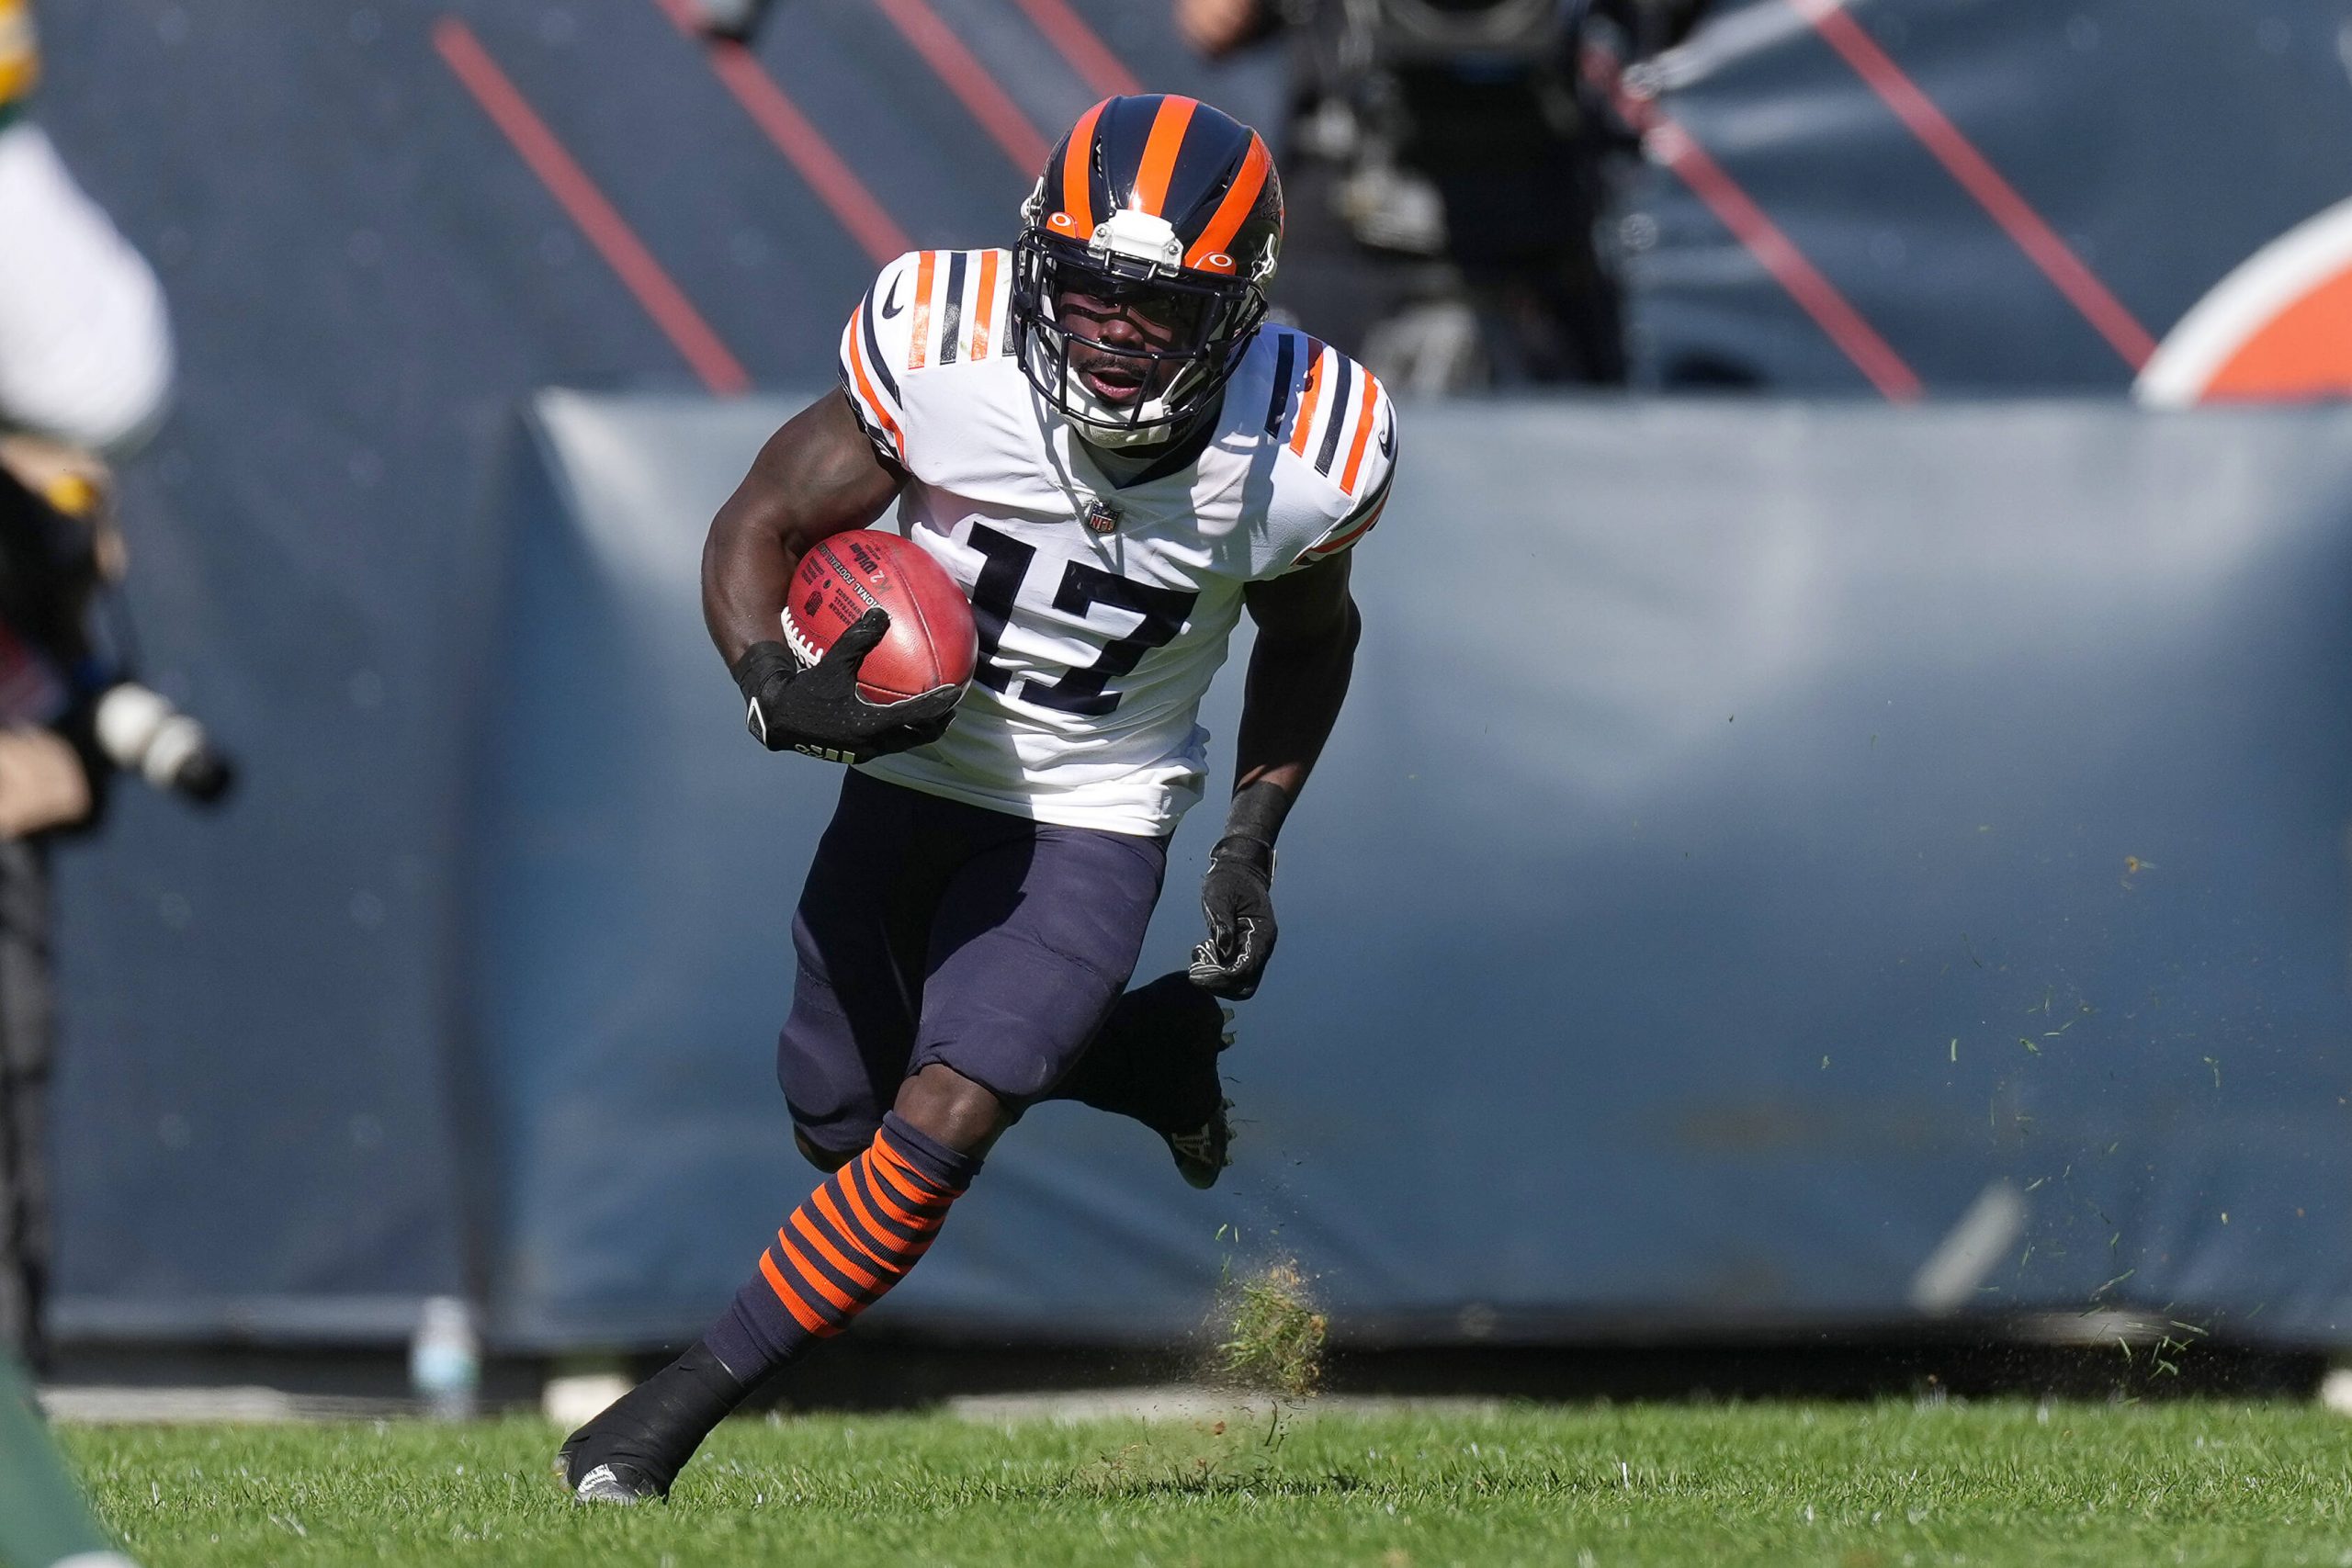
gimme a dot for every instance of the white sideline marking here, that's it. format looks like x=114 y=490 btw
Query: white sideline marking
x=99 y=1405
x=1187 y=1402
x=575 y=1399
x=146 y=1404
x=1948 y=1280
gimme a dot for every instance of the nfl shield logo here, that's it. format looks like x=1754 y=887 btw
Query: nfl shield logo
x=1102 y=517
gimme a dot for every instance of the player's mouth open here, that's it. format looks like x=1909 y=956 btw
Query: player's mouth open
x=1112 y=380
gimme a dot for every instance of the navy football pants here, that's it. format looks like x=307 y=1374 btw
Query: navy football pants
x=930 y=930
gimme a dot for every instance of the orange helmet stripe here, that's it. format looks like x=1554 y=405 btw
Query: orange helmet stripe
x=1160 y=152
x=1239 y=198
x=1078 y=171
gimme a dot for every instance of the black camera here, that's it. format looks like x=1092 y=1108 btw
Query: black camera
x=1455 y=32
x=58 y=672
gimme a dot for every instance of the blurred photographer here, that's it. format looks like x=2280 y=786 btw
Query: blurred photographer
x=85 y=367
x=1446 y=175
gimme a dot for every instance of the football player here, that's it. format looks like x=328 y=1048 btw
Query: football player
x=1099 y=436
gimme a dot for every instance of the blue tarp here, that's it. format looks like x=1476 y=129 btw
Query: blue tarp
x=1778 y=866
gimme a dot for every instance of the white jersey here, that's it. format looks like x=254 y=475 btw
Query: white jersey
x=1103 y=608
x=85 y=346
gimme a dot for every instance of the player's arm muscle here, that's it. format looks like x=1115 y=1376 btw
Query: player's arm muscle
x=1298 y=677
x=818 y=476
x=1308 y=628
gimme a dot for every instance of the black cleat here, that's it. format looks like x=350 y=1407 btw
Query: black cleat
x=1154 y=1059
x=1203 y=1155
x=632 y=1453
x=620 y=1484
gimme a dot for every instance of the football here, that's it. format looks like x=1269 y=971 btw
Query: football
x=932 y=641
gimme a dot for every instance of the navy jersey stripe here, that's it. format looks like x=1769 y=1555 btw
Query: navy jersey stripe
x=1280 y=400
x=1339 y=417
x=874 y=361
x=1371 y=504
x=951 y=319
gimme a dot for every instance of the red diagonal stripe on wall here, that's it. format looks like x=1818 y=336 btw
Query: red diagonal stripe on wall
x=1076 y=42
x=597 y=219
x=1976 y=176
x=797 y=138
x=1774 y=251
x=970 y=81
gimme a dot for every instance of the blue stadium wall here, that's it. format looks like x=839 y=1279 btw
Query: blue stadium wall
x=2142 y=148
x=2023 y=711
x=1778 y=867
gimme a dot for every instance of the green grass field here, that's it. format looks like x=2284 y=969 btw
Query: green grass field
x=1849 y=1485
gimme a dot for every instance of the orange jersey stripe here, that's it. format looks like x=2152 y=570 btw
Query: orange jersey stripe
x=1364 y=435
x=1078 y=172
x=984 y=307
x=801 y=1311
x=1160 y=152
x=921 y=327
x=1319 y=552
x=866 y=387
x=1306 y=402
x=1240 y=199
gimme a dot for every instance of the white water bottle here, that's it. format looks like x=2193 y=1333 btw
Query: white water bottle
x=445 y=1359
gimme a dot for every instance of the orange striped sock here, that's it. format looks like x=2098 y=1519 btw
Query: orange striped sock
x=843 y=1248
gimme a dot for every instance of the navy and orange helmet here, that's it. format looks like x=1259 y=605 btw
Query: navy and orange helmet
x=1158 y=198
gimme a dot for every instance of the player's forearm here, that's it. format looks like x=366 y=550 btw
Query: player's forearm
x=1298 y=678
x=817 y=476
x=1296 y=686
x=746 y=576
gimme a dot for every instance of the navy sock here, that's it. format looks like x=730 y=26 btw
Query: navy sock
x=847 y=1244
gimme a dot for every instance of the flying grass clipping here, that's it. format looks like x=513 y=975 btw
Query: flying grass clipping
x=1269 y=1336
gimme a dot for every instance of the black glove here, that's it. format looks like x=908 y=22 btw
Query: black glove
x=1237 y=898
x=816 y=710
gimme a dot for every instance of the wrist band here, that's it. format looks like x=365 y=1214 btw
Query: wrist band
x=1257 y=813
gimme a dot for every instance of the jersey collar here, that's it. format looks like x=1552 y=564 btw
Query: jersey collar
x=1174 y=458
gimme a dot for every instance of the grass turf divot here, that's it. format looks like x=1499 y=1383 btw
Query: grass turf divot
x=1271 y=1338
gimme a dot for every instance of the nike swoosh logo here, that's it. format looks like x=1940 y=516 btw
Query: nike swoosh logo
x=890 y=306
x=1388 y=437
